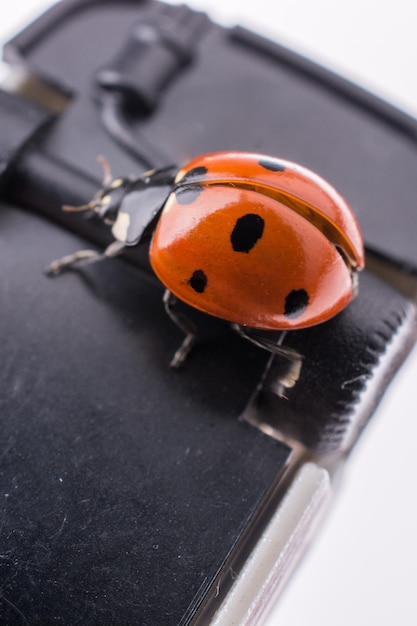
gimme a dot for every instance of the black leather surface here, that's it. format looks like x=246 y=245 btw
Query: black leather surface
x=124 y=484
x=347 y=364
x=238 y=92
x=22 y=123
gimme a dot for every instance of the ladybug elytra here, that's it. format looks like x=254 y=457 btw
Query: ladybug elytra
x=258 y=241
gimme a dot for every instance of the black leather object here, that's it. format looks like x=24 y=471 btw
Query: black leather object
x=347 y=365
x=129 y=486
x=119 y=476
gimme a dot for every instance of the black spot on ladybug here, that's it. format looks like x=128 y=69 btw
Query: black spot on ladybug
x=187 y=195
x=198 y=281
x=271 y=164
x=248 y=229
x=296 y=303
x=195 y=174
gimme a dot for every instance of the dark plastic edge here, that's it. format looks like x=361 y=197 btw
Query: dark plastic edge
x=342 y=87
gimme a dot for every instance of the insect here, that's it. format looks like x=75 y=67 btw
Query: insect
x=258 y=241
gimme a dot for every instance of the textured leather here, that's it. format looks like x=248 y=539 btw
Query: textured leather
x=346 y=366
x=125 y=484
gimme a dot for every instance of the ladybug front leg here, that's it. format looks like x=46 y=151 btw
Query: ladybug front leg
x=184 y=324
x=83 y=257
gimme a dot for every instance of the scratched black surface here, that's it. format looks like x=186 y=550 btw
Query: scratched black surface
x=123 y=484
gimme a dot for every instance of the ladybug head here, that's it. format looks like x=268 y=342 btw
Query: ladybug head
x=131 y=205
x=107 y=201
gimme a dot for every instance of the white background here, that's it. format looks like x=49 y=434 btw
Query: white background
x=362 y=568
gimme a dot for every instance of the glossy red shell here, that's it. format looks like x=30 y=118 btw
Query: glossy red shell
x=257 y=241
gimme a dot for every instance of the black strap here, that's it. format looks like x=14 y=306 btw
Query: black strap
x=21 y=123
x=155 y=50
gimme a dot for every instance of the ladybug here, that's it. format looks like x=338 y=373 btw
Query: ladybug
x=258 y=241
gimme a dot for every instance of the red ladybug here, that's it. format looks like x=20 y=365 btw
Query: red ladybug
x=258 y=241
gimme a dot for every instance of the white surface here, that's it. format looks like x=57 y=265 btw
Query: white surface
x=279 y=549
x=362 y=569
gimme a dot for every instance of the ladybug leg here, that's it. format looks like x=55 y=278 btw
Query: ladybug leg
x=184 y=324
x=293 y=358
x=83 y=257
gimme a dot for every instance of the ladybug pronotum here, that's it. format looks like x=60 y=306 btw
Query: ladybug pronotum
x=258 y=241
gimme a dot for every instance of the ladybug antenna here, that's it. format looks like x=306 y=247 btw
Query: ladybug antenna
x=107 y=176
x=83 y=207
x=94 y=203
